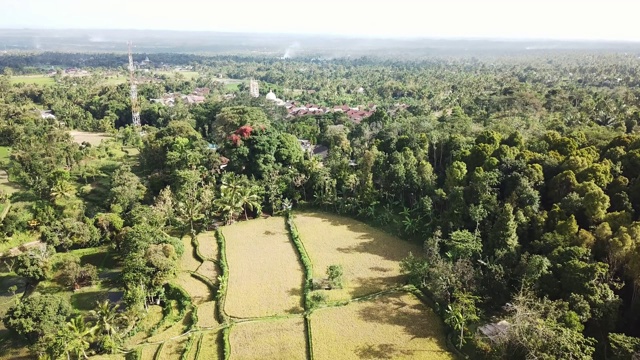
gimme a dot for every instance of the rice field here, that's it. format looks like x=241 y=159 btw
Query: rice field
x=276 y=339
x=395 y=326
x=208 y=245
x=198 y=290
x=188 y=262
x=207 y=315
x=149 y=352
x=210 y=348
x=270 y=281
x=370 y=258
x=209 y=269
x=173 y=349
x=153 y=317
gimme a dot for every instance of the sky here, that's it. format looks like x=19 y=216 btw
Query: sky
x=510 y=19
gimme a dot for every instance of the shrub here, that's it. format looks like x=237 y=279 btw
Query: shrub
x=334 y=274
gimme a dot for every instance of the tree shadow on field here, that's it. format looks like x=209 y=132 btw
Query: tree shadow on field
x=296 y=309
x=393 y=310
x=372 y=241
x=380 y=351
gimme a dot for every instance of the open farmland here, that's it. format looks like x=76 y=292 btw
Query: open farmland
x=33 y=79
x=394 y=326
x=277 y=339
x=90 y=137
x=370 y=258
x=268 y=282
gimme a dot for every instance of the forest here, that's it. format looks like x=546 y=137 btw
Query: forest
x=517 y=176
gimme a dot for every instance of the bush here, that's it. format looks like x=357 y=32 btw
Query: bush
x=175 y=292
x=334 y=274
x=316 y=299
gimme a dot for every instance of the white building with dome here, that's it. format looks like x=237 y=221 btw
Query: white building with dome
x=272 y=97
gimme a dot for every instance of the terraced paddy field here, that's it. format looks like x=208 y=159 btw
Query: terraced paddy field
x=271 y=339
x=394 y=326
x=210 y=347
x=369 y=257
x=269 y=282
x=264 y=292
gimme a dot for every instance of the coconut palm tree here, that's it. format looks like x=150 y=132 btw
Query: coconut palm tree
x=248 y=198
x=229 y=203
x=80 y=336
x=106 y=318
x=62 y=189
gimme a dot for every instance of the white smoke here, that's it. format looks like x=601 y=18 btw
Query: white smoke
x=291 y=50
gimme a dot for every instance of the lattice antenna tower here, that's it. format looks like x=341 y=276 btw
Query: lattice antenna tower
x=135 y=105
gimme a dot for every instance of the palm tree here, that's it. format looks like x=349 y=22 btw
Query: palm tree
x=229 y=203
x=62 y=189
x=106 y=318
x=249 y=199
x=80 y=336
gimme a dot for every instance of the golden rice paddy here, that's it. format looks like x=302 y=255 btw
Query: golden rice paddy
x=265 y=276
x=272 y=339
x=394 y=326
x=370 y=258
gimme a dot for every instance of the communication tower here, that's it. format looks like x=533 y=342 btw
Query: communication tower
x=135 y=105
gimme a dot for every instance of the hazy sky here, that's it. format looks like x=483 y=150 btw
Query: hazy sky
x=550 y=19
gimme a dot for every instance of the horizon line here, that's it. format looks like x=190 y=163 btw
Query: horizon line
x=344 y=35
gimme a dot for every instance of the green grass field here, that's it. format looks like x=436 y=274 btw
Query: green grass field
x=33 y=79
x=189 y=75
x=5 y=151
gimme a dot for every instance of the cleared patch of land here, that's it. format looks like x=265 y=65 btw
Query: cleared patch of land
x=268 y=282
x=210 y=349
x=370 y=258
x=92 y=138
x=394 y=326
x=277 y=339
x=208 y=245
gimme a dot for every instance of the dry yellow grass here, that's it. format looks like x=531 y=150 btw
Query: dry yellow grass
x=210 y=348
x=206 y=314
x=395 y=326
x=198 y=290
x=210 y=270
x=265 y=277
x=277 y=339
x=187 y=261
x=92 y=138
x=370 y=258
x=208 y=245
